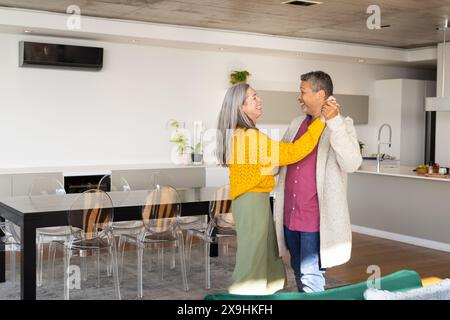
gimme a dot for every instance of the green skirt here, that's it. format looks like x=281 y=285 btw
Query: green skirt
x=259 y=270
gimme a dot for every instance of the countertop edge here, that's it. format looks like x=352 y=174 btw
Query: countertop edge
x=401 y=175
x=99 y=169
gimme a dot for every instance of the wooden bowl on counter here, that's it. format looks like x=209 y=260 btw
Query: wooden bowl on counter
x=421 y=170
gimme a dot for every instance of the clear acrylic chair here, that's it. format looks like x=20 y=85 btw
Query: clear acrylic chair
x=160 y=214
x=185 y=223
x=220 y=227
x=158 y=178
x=121 y=228
x=10 y=243
x=135 y=227
x=90 y=220
x=40 y=186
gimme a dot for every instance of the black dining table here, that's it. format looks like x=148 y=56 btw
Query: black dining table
x=32 y=212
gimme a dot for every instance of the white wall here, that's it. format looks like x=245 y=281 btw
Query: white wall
x=442 y=155
x=413 y=120
x=118 y=115
x=400 y=103
x=386 y=108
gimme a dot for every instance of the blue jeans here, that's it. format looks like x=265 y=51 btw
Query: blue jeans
x=304 y=248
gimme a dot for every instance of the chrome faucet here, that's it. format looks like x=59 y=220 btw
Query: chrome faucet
x=380 y=143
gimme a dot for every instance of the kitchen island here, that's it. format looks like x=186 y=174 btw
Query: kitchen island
x=398 y=204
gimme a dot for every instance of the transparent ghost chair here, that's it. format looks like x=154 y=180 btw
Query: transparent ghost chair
x=158 y=178
x=160 y=213
x=40 y=186
x=220 y=228
x=128 y=231
x=185 y=223
x=90 y=220
x=10 y=243
x=121 y=228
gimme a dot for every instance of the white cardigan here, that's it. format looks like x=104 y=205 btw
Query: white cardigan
x=338 y=154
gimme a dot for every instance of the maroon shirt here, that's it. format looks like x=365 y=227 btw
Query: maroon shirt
x=301 y=204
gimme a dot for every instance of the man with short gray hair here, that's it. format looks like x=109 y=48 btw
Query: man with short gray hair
x=310 y=211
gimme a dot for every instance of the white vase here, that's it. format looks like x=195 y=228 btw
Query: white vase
x=185 y=158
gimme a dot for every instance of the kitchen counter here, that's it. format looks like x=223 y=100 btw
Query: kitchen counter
x=398 y=204
x=396 y=170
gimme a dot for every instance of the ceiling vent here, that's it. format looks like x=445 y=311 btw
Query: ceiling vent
x=303 y=3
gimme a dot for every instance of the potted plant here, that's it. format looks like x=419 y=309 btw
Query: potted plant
x=180 y=138
x=239 y=76
x=197 y=155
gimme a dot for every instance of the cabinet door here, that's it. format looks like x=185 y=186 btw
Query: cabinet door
x=281 y=107
x=175 y=177
x=412 y=134
x=355 y=107
x=5 y=185
x=217 y=176
x=21 y=183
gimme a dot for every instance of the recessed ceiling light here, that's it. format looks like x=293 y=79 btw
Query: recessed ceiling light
x=27 y=31
x=303 y=3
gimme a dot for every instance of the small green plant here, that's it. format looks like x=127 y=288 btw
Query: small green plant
x=174 y=123
x=197 y=149
x=239 y=76
x=178 y=136
x=196 y=154
x=180 y=140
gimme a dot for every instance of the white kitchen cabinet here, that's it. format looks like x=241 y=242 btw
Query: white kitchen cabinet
x=18 y=184
x=5 y=185
x=142 y=179
x=280 y=107
x=401 y=103
x=21 y=183
x=217 y=176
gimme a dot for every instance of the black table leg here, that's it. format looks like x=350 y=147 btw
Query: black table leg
x=2 y=256
x=28 y=262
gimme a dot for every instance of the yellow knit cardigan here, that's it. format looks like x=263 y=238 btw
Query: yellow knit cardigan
x=254 y=156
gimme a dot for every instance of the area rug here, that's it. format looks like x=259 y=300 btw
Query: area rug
x=168 y=288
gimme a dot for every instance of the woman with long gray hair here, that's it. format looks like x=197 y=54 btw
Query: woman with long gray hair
x=251 y=157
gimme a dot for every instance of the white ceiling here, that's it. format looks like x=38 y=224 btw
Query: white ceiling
x=412 y=22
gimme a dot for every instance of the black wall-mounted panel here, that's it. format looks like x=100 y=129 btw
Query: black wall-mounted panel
x=36 y=54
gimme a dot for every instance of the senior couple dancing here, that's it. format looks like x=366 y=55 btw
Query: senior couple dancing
x=310 y=218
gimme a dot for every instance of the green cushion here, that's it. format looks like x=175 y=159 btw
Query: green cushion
x=400 y=280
